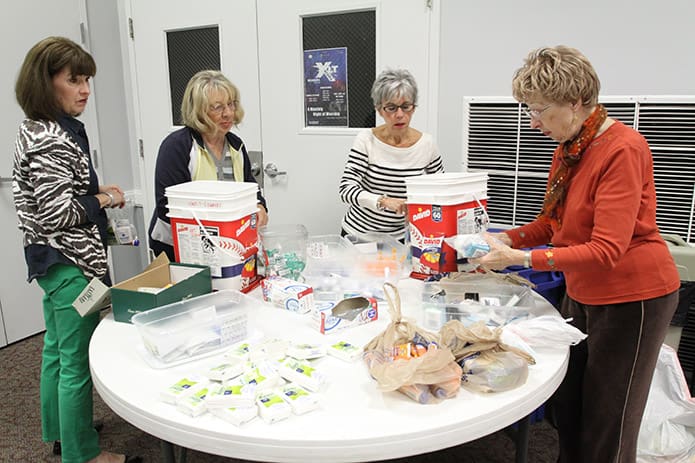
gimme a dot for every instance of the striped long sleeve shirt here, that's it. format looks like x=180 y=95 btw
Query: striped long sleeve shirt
x=374 y=168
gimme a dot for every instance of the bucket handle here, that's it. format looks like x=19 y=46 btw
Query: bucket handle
x=487 y=217
x=210 y=238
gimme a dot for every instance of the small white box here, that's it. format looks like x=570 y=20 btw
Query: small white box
x=288 y=294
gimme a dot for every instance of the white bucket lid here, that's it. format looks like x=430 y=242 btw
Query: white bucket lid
x=211 y=188
x=445 y=199
x=217 y=215
x=447 y=178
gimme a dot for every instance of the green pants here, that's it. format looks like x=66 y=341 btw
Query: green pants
x=66 y=384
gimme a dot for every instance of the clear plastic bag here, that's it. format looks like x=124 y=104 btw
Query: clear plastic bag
x=667 y=432
x=489 y=371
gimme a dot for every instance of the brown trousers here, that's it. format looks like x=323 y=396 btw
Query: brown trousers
x=599 y=405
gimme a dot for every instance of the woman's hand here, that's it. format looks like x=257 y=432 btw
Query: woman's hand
x=262 y=218
x=500 y=255
x=115 y=192
x=393 y=204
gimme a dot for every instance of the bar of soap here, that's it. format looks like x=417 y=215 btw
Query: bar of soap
x=301 y=400
x=182 y=388
x=345 y=351
x=236 y=416
x=272 y=407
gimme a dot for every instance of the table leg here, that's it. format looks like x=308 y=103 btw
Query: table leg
x=521 y=439
x=168 y=452
x=183 y=454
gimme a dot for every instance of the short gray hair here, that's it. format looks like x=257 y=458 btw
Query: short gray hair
x=392 y=84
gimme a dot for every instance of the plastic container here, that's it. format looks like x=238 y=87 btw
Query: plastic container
x=469 y=302
x=328 y=254
x=331 y=267
x=550 y=285
x=214 y=223
x=190 y=329
x=284 y=249
x=380 y=255
x=441 y=206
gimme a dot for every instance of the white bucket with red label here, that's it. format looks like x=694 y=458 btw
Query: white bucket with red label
x=440 y=206
x=214 y=224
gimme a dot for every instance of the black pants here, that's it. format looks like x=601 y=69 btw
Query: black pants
x=599 y=405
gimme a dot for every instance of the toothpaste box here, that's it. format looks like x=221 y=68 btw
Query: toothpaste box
x=288 y=294
x=330 y=317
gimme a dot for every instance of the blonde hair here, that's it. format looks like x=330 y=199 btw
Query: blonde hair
x=558 y=74
x=196 y=100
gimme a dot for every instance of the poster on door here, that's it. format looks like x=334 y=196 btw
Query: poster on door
x=325 y=87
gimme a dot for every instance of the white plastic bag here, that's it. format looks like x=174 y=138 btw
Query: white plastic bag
x=667 y=433
x=546 y=331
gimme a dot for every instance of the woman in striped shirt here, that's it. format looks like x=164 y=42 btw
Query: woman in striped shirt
x=373 y=181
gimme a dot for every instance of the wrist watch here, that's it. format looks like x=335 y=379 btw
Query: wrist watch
x=527 y=259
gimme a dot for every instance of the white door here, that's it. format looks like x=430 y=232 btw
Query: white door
x=261 y=46
x=314 y=157
x=153 y=22
x=22 y=25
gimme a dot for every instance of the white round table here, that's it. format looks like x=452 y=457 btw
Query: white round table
x=355 y=423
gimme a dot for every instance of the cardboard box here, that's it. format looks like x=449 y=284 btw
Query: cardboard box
x=167 y=283
x=329 y=317
x=93 y=298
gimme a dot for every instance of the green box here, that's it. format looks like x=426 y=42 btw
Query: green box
x=168 y=282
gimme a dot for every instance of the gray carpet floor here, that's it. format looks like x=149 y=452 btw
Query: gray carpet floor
x=20 y=425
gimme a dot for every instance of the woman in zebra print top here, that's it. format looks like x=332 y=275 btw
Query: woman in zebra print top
x=373 y=181
x=60 y=206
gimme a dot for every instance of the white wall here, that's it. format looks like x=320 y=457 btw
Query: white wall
x=638 y=47
x=117 y=157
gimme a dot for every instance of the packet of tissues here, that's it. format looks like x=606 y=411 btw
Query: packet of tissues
x=469 y=246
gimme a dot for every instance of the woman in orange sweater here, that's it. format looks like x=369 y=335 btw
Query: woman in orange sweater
x=599 y=213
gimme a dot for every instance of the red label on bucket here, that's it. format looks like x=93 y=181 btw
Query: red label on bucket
x=429 y=224
x=228 y=247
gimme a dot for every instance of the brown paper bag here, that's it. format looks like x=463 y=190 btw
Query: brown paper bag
x=435 y=366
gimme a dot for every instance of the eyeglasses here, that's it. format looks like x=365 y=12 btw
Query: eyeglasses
x=219 y=108
x=535 y=113
x=392 y=108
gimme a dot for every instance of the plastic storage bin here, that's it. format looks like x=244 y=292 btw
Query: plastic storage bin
x=550 y=285
x=471 y=301
x=284 y=249
x=190 y=329
x=330 y=268
x=328 y=254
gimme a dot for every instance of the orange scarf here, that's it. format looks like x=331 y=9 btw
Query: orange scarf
x=569 y=155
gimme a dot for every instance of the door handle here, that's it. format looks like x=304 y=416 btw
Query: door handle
x=271 y=170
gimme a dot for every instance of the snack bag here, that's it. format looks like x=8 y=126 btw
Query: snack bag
x=411 y=360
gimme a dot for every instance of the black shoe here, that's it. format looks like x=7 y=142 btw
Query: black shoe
x=98 y=426
x=132 y=459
